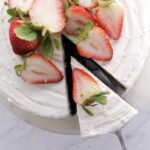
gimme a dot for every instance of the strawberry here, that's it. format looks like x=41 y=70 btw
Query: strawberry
x=48 y=14
x=96 y=46
x=22 y=45
x=78 y=17
x=86 y=91
x=88 y=3
x=110 y=16
x=23 y=5
x=38 y=70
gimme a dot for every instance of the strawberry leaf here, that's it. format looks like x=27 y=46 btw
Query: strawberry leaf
x=24 y=32
x=56 y=41
x=79 y=30
x=66 y=5
x=74 y=39
x=73 y=2
x=89 y=26
x=78 y=38
x=102 y=94
x=19 y=69
x=46 y=48
x=57 y=44
x=90 y=113
x=105 y=3
x=100 y=98
x=12 y=12
x=82 y=33
x=21 y=14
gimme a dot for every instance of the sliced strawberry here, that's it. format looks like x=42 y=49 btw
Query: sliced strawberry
x=23 y=5
x=48 y=14
x=86 y=91
x=78 y=17
x=84 y=86
x=21 y=46
x=38 y=70
x=96 y=46
x=110 y=18
x=88 y=3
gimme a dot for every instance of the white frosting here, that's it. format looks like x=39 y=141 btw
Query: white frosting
x=132 y=48
x=109 y=118
x=51 y=100
x=44 y=100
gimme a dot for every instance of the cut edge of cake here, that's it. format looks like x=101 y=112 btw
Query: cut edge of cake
x=107 y=119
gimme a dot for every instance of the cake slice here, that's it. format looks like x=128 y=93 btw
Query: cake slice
x=95 y=119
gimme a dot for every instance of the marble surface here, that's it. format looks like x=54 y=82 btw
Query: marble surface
x=15 y=134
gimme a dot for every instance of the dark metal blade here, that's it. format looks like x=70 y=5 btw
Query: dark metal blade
x=97 y=70
x=68 y=73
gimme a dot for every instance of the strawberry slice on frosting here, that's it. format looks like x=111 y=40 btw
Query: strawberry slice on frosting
x=48 y=14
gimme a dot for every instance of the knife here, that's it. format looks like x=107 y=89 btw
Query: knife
x=93 y=67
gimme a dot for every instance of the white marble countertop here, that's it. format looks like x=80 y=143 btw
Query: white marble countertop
x=15 y=134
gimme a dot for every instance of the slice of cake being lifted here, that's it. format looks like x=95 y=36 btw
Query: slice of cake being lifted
x=100 y=110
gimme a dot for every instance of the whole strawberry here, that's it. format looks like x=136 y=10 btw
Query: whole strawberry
x=23 y=39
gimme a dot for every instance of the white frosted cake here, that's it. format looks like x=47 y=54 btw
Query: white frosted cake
x=108 y=118
x=43 y=100
x=35 y=67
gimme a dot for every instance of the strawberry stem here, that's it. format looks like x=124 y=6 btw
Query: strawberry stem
x=90 y=113
x=73 y=2
x=82 y=33
x=105 y=3
x=100 y=98
x=19 y=69
x=44 y=31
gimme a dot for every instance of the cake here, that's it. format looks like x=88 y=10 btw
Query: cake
x=132 y=41
x=107 y=118
x=45 y=65
x=30 y=95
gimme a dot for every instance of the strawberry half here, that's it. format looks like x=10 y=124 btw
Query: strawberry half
x=78 y=17
x=38 y=70
x=48 y=14
x=88 y=3
x=96 y=46
x=21 y=46
x=86 y=91
x=110 y=17
x=23 y=5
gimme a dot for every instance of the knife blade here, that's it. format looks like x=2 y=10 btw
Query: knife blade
x=93 y=67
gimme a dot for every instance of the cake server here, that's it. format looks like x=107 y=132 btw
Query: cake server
x=101 y=73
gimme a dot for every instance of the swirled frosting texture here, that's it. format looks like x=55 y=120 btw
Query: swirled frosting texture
x=130 y=53
x=44 y=100
x=109 y=118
